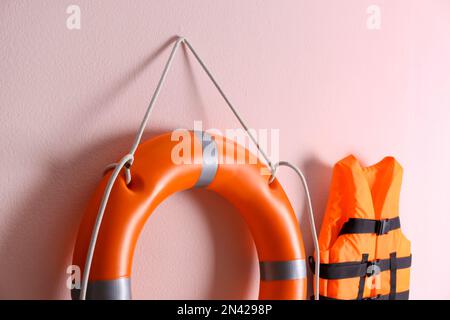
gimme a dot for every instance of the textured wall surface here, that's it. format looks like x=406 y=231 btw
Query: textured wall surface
x=71 y=100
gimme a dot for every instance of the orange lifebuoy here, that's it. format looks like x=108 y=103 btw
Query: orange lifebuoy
x=264 y=207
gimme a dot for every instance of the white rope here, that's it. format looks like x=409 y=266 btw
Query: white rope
x=90 y=254
x=127 y=161
x=236 y=114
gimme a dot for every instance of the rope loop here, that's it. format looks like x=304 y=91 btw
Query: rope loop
x=273 y=170
x=127 y=166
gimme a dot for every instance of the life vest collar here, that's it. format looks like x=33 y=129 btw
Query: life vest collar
x=375 y=189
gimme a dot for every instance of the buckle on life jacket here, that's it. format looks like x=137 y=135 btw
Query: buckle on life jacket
x=377 y=297
x=382 y=226
x=373 y=268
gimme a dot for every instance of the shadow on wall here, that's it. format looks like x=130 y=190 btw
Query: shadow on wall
x=232 y=268
x=39 y=241
x=318 y=175
x=39 y=244
x=100 y=104
x=218 y=262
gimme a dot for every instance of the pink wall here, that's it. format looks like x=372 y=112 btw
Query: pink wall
x=70 y=102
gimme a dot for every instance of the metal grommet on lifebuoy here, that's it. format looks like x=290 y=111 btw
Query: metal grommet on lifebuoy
x=264 y=207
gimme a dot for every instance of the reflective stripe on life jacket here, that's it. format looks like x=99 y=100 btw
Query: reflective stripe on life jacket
x=363 y=252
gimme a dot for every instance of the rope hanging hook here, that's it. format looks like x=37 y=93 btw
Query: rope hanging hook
x=126 y=167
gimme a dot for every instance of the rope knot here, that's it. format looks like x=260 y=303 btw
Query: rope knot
x=126 y=162
x=273 y=169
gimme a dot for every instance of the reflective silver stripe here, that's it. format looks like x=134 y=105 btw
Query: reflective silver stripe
x=282 y=270
x=210 y=159
x=119 y=289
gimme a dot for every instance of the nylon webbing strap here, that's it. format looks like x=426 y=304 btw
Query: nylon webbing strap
x=357 y=269
x=362 y=280
x=379 y=227
x=393 y=276
x=398 y=296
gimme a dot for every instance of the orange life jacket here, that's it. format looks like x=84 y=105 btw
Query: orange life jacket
x=363 y=252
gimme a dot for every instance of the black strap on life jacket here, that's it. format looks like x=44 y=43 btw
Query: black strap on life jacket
x=379 y=227
x=363 y=269
x=358 y=269
x=362 y=280
x=393 y=276
x=404 y=295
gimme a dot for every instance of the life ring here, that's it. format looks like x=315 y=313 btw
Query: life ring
x=265 y=208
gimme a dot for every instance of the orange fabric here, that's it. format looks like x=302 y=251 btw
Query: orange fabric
x=264 y=207
x=367 y=193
